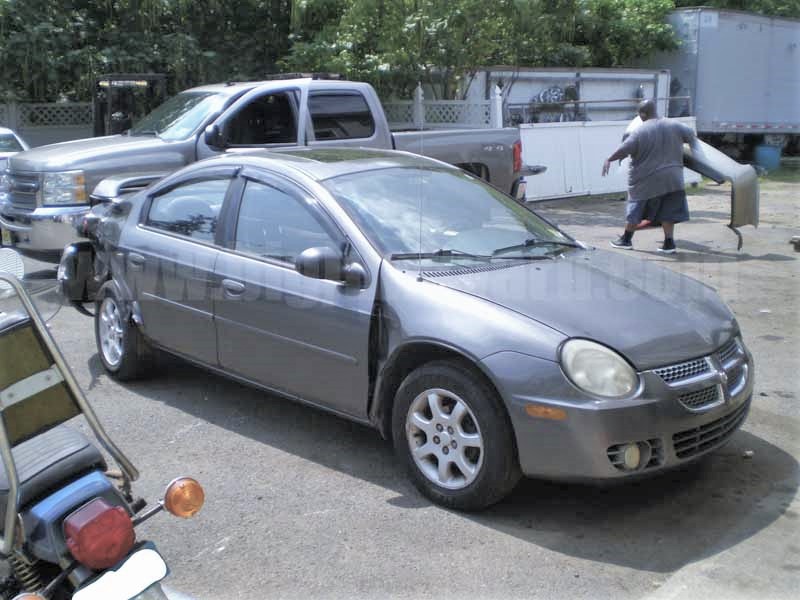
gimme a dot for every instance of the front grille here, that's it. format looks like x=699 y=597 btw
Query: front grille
x=728 y=351
x=700 y=398
x=735 y=376
x=684 y=370
x=699 y=439
x=22 y=188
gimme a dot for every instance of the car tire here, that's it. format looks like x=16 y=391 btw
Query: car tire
x=452 y=433
x=125 y=354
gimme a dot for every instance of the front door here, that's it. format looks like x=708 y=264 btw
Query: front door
x=170 y=259
x=301 y=336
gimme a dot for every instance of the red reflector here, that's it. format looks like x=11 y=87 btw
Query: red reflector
x=99 y=535
x=517 y=156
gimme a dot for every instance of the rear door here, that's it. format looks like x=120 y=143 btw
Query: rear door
x=170 y=259
x=301 y=336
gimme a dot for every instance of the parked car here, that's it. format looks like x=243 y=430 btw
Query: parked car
x=10 y=144
x=50 y=185
x=405 y=294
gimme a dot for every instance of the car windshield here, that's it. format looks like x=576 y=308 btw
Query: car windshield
x=180 y=116
x=9 y=143
x=434 y=213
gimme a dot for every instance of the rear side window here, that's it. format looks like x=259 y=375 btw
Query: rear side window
x=340 y=116
x=191 y=209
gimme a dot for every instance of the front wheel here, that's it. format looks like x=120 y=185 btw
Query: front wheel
x=453 y=434
x=123 y=351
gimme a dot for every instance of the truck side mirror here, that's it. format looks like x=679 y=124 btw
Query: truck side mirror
x=214 y=137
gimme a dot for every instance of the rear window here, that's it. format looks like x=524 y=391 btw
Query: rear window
x=340 y=116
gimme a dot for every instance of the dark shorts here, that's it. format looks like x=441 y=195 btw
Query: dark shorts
x=671 y=207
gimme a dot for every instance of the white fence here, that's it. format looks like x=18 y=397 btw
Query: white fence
x=444 y=114
x=47 y=123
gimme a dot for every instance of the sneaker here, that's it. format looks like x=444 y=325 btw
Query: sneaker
x=668 y=247
x=621 y=242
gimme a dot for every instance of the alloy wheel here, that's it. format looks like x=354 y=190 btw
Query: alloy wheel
x=444 y=438
x=111 y=332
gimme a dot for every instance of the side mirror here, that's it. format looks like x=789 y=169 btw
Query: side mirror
x=214 y=137
x=320 y=263
x=326 y=263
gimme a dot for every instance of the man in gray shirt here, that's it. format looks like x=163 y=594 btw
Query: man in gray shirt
x=655 y=181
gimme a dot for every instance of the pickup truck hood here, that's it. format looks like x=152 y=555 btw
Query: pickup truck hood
x=110 y=154
x=650 y=314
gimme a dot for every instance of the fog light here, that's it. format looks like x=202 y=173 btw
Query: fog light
x=631 y=456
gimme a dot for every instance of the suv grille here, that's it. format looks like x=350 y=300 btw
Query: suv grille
x=23 y=188
x=694 y=441
x=683 y=370
x=700 y=398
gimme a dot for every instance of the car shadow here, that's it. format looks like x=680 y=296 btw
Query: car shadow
x=658 y=524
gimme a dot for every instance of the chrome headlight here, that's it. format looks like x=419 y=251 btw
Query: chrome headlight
x=597 y=369
x=64 y=187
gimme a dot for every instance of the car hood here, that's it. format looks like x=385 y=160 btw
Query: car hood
x=102 y=155
x=652 y=315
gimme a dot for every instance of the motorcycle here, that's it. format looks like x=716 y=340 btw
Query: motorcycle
x=67 y=527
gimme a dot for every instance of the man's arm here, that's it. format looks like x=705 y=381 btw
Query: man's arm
x=618 y=154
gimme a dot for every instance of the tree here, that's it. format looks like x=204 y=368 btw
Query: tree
x=394 y=44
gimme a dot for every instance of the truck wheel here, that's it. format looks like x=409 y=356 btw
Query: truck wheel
x=453 y=435
x=124 y=352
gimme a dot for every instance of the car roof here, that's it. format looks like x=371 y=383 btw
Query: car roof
x=6 y=130
x=234 y=87
x=324 y=163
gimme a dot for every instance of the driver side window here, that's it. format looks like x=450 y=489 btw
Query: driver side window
x=269 y=119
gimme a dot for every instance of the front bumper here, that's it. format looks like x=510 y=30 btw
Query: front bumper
x=672 y=423
x=44 y=230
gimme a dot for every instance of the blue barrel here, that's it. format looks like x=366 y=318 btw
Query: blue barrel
x=768 y=157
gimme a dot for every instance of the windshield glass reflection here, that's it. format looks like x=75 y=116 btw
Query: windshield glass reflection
x=458 y=212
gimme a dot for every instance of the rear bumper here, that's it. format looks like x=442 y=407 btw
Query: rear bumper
x=43 y=231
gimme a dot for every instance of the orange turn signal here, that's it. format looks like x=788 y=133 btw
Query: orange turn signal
x=184 y=497
x=545 y=412
x=26 y=596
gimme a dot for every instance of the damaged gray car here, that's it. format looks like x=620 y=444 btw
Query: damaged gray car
x=405 y=294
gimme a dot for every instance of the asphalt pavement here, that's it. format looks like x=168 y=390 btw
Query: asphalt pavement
x=302 y=504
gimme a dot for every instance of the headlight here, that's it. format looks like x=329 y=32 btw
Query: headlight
x=66 y=187
x=597 y=369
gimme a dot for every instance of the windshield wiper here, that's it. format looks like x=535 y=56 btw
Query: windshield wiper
x=533 y=242
x=441 y=253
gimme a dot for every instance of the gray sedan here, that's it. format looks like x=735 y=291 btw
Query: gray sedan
x=405 y=294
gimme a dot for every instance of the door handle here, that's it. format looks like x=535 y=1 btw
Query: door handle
x=233 y=288
x=135 y=260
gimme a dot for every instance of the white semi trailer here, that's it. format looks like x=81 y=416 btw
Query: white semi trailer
x=741 y=74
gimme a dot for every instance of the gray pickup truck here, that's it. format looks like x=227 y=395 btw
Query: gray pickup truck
x=49 y=188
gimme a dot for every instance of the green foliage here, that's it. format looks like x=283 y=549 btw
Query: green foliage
x=394 y=44
x=52 y=50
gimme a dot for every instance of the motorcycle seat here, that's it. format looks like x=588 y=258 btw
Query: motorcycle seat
x=47 y=460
